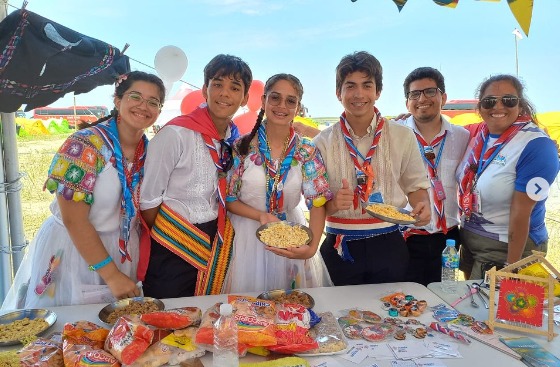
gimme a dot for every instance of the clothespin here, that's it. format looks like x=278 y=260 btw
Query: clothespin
x=126 y=46
x=25 y=2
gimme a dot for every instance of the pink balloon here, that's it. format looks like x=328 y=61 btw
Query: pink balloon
x=191 y=101
x=246 y=121
x=256 y=90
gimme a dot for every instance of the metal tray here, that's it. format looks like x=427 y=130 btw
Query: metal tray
x=389 y=219
x=47 y=315
x=107 y=310
x=275 y=294
x=293 y=224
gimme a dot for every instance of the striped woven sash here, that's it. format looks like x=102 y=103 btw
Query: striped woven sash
x=191 y=244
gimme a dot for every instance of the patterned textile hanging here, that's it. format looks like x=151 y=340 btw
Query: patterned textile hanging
x=41 y=61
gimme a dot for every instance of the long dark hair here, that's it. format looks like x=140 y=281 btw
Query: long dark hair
x=243 y=147
x=124 y=84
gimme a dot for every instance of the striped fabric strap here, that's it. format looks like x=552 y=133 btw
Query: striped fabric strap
x=191 y=244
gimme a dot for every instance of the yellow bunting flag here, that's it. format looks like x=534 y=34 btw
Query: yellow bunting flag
x=523 y=12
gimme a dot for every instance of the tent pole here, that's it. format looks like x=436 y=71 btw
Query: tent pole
x=5 y=247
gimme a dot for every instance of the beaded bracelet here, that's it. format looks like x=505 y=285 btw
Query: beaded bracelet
x=100 y=264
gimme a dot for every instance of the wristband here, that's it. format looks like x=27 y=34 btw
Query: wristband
x=100 y=264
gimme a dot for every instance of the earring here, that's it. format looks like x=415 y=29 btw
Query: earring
x=118 y=119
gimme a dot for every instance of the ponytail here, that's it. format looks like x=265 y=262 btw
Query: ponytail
x=246 y=140
x=114 y=113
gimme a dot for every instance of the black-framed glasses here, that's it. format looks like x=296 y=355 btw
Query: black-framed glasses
x=275 y=99
x=226 y=156
x=428 y=92
x=151 y=102
x=508 y=100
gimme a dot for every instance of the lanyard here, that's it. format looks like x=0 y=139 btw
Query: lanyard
x=435 y=164
x=483 y=164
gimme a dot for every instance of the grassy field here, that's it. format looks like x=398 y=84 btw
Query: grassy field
x=35 y=155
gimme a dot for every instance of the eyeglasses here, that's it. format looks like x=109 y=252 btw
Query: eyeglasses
x=275 y=99
x=151 y=102
x=226 y=156
x=508 y=100
x=428 y=92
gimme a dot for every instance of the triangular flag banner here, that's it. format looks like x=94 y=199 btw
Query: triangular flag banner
x=400 y=3
x=523 y=12
x=447 y=3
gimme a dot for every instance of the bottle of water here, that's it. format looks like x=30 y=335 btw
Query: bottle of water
x=449 y=267
x=225 y=338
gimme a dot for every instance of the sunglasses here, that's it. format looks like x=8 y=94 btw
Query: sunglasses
x=275 y=99
x=428 y=92
x=151 y=102
x=226 y=156
x=508 y=101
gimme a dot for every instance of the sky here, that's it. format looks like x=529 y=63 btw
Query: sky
x=308 y=38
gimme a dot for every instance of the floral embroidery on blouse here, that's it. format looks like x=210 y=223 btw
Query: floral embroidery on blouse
x=315 y=183
x=75 y=166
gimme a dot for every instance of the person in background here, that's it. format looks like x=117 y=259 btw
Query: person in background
x=273 y=166
x=91 y=241
x=368 y=159
x=508 y=158
x=442 y=146
x=183 y=195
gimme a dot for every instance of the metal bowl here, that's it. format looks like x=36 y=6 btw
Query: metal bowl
x=277 y=294
x=47 y=315
x=389 y=219
x=107 y=310
x=292 y=224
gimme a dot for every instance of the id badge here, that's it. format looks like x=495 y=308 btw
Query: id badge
x=439 y=191
x=476 y=202
x=361 y=177
x=429 y=152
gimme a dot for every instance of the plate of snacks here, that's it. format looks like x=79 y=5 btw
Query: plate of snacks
x=390 y=213
x=289 y=296
x=129 y=306
x=284 y=234
x=329 y=337
x=22 y=324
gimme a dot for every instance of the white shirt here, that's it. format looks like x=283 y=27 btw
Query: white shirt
x=456 y=142
x=180 y=172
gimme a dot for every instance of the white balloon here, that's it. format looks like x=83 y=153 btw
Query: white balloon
x=171 y=63
x=168 y=86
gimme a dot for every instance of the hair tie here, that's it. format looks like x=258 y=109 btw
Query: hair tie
x=120 y=79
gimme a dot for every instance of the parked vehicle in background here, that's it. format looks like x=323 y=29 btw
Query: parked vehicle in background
x=74 y=115
x=456 y=107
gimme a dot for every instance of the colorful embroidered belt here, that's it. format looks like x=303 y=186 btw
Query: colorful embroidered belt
x=194 y=246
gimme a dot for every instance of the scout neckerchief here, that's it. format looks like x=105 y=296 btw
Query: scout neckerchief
x=276 y=176
x=432 y=161
x=200 y=121
x=129 y=179
x=475 y=165
x=364 y=170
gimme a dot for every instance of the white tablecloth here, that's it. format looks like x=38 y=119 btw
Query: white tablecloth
x=335 y=299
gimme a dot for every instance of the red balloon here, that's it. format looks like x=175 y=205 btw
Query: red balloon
x=246 y=121
x=191 y=101
x=256 y=90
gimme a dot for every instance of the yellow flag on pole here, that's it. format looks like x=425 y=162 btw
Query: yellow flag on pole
x=523 y=12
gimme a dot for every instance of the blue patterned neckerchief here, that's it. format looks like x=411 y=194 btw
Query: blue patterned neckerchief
x=275 y=184
x=129 y=179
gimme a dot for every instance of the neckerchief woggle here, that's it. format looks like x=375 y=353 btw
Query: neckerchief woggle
x=129 y=206
x=479 y=160
x=432 y=172
x=275 y=195
x=361 y=192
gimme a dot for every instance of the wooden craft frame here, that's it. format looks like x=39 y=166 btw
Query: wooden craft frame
x=508 y=273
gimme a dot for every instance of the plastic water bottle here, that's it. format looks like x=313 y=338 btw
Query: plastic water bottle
x=225 y=339
x=449 y=267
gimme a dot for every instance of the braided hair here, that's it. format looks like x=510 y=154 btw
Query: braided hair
x=123 y=84
x=243 y=147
